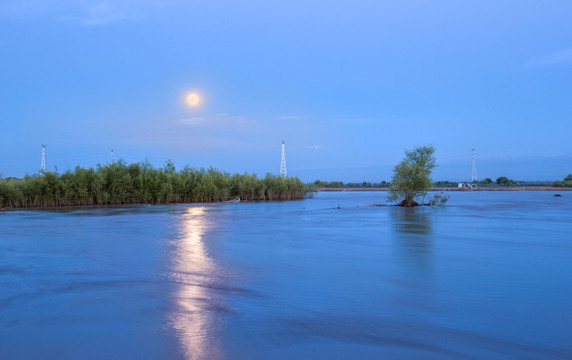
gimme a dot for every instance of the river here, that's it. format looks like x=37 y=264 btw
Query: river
x=488 y=276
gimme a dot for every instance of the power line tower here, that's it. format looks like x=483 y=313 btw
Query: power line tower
x=111 y=156
x=474 y=178
x=43 y=167
x=283 y=161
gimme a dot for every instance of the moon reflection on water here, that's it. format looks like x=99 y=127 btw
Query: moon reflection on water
x=194 y=319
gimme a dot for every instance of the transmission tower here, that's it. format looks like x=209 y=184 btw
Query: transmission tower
x=283 y=161
x=43 y=167
x=474 y=173
x=111 y=156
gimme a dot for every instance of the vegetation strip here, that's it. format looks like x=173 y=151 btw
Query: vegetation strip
x=141 y=183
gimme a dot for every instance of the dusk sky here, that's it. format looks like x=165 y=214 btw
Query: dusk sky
x=347 y=85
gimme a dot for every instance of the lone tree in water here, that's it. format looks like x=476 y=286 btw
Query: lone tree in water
x=412 y=177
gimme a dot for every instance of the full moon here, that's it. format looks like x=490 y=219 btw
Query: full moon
x=193 y=99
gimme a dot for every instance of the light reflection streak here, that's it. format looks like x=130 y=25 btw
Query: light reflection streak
x=193 y=319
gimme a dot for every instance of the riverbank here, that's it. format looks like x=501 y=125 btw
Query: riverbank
x=529 y=188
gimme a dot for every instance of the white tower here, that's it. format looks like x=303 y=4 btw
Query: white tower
x=43 y=167
x=474 y=178
x=283 y=161
x=111 y=156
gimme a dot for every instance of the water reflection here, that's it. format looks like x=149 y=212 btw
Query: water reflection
x=413 y=236
x=194 y=318
x=412 y=221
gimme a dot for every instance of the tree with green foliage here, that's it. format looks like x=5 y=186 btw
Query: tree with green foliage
x=328 y=184
x=446 y=183
x=412 y=176
x=504 y=181
x=338 y=184
x=567 y=182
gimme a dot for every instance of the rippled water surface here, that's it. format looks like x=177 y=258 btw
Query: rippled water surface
x=489 y=276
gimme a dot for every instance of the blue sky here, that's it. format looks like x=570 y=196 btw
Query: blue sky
x=347 y=85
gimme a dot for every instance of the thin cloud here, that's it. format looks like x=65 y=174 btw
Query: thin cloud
x=197 y=120
x=81 y=12
x=356 y=121
x=556 y=58
x=185 y=140
x=289 y=117
x=172 y=140
x=316 y=147
x=217 y=120
x=104 y=13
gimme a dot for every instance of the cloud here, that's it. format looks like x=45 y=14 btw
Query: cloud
x=197 y=120
x=553 y=59
x=217 y=121
x=104 y=13
x=356 y=120
x=173 y=140
x=81 y=12
x=289 y=117
x=316 y=147
x=359 y=121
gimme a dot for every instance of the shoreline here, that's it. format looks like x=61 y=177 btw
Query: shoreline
x=134 y=205
x=527 y=188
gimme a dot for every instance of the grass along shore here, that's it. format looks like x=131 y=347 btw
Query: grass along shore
x=141 y=183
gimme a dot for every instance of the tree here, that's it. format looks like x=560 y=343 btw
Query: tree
x=504 y=181
x=412 y=176
x=567 y=182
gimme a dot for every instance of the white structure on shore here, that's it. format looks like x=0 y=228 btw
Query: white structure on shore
x=474 y=180
x=283 y=161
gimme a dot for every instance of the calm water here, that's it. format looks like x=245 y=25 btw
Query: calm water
x=489 y=276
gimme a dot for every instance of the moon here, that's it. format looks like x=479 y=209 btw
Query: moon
x=193 y=99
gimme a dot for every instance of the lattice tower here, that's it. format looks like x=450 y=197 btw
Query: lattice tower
x=474 y=173
x=43 y=167
x=283 y=161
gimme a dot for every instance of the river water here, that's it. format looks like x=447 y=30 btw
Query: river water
x=488 y=276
